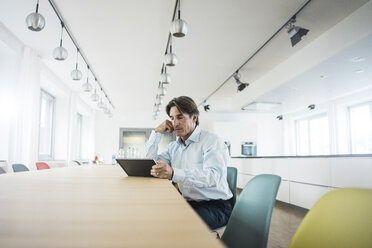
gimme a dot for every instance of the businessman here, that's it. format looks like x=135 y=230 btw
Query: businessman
x=196 y=161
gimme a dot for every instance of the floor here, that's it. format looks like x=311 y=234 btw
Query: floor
x=284 y=222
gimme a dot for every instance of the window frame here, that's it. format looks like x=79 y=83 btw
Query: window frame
x=50 y=156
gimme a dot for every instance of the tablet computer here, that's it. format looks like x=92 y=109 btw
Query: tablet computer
x=136 y=167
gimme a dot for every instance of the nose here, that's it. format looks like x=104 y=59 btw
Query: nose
x=175 y=122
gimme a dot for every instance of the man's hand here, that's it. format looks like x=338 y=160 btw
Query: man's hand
x=166 y=126
x=162 y=170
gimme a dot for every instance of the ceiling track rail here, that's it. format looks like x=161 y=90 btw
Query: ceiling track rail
x=51 y=2
x=255 y=53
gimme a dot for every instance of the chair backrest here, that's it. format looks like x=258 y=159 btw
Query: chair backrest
x=341 y=218
x=75 y=162
x=2 y=171
x=19 y=168
x=42 y=166
x=232 y=174
x=250 y=219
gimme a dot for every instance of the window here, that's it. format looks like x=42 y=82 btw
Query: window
x=79 y=134
x=47 y=102
x=312 y=136
x=360 y=124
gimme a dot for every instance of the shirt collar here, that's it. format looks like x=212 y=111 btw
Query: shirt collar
x=194 y=137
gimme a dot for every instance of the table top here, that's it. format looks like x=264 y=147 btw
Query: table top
x=96 y=206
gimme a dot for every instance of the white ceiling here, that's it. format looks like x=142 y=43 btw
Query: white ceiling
x=124 y=42
x=341 y=75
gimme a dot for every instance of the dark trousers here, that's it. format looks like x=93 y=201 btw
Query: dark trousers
x=215 y=213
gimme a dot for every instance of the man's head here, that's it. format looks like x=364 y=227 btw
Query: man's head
x=184 y=115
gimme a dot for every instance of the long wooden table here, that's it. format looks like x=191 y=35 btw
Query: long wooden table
x=96 y=206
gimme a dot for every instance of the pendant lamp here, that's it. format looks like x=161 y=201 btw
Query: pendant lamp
x=76 y=73
x=179 y=27
x=35 y=21
x=60 y=53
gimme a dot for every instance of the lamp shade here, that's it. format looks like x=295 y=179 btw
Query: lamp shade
x=35 y=22
x=179 y=28
x=87 y=87
x=94 y=97
x=162 y=91
x=60 y=53
x=100 y=104
x=165 y=78
x=170 y=59
x=159 y=101
x=76 y=74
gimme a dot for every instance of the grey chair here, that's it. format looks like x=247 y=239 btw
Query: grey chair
x=19 y=168
x=2 y=171
x=250 y=219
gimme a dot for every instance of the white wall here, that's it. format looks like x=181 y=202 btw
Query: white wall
x=336 y=110
x=264 y=129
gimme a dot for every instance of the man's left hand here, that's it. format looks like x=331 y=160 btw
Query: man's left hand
x=162 y=170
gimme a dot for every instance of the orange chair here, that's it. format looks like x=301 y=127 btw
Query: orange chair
x=42 y=166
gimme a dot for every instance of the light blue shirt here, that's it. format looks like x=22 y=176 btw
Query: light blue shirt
x=199 y=168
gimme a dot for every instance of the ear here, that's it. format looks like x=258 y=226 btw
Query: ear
x=194 y=118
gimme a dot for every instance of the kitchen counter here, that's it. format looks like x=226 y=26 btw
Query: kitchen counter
x=310 y=156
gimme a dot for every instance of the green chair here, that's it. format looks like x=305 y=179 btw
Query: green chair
x=232 y=174
x=250 y=219
x=340 y=218
x=19 y=168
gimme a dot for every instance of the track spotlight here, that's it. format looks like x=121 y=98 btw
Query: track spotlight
x=170 y=58
x=165 y=78
x=35 y=21
x=295 y=33
x=207 y=107
x=311 y=106
x=241 y=86
x=179 y=27
x=60 y=53
x=279 y=117
x=76 y=73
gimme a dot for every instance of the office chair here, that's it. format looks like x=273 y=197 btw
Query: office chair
x=250 y=219
x=341 y=218
x=42 y=166
x=2 y=171
x=232 y=174
x=19 y=168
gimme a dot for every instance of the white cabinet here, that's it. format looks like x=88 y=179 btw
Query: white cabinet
x=283 y=192
x=305 y=195
x=306 y=179
x=351 y=172
x=310 y=170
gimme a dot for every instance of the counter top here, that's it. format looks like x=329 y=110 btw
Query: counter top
x=310 y=156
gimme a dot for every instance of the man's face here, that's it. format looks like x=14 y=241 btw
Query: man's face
x=183 y=124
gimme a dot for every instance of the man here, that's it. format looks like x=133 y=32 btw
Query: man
x=197 y=161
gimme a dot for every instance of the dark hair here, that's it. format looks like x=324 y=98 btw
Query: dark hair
x=184 y=104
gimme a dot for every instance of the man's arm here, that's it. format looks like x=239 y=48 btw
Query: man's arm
x=152 y=145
